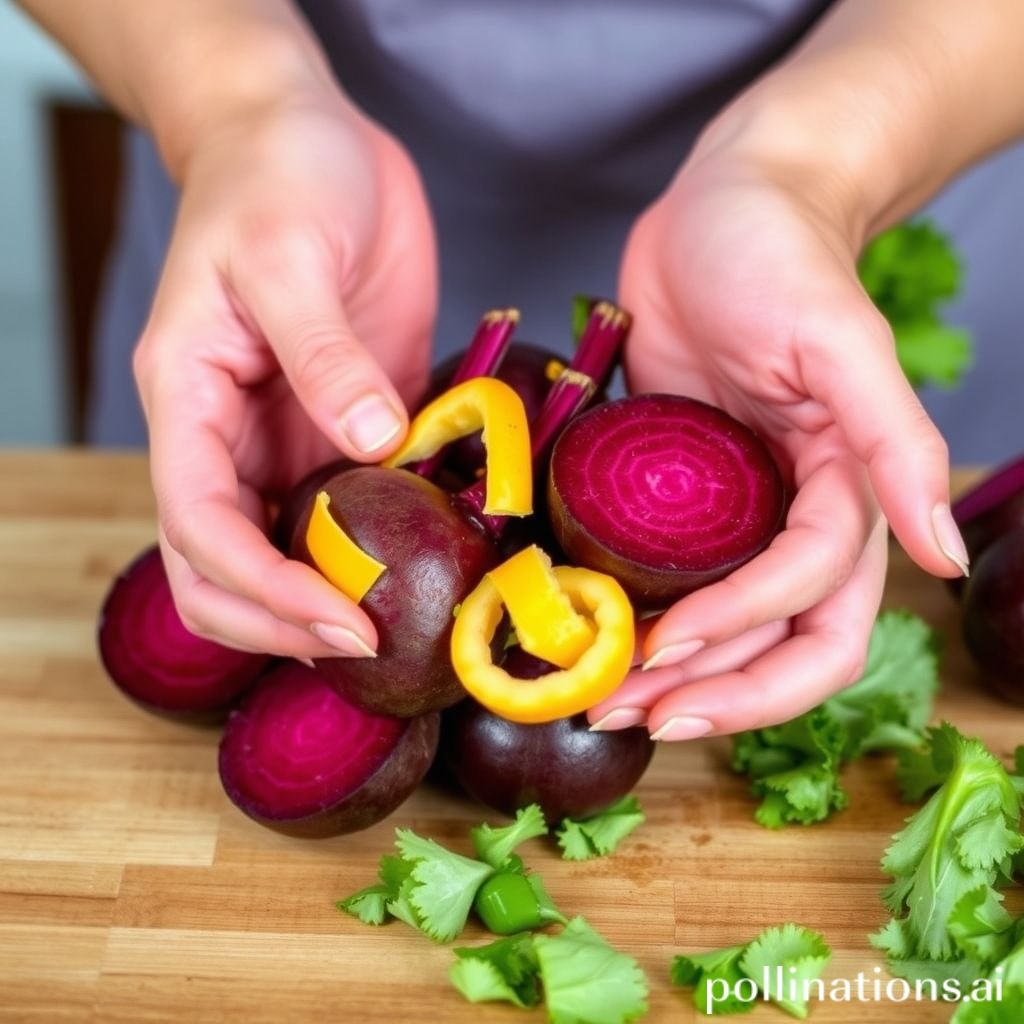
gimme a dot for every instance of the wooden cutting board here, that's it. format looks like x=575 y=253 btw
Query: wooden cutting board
x=131 y=890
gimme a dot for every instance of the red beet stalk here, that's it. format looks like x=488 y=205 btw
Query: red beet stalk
x=482 y=358
x=595 y=358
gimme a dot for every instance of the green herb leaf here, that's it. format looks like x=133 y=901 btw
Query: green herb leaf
x=794 y=767
x=700 y=971
x=495 y=845
x=581 y=307
x=600 y=834
x=481 y=982
x=980 y=926
x=790 y=953
x=960 y=842
x=909 y=272
x=513 y=960
x=585 y=980
x=369 y=904
x=443 y=884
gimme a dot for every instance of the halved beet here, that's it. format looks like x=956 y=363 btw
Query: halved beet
x=435 y=557
x=526 y=369
x=665 y=493
x=153 y=658
x=561 y=765
x=991 y=508
x=994 y=615
x=299 y=758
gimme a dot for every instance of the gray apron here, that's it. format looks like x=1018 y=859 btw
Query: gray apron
x=541 y=130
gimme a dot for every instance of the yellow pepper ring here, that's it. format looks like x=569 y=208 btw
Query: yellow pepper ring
x=488 y=403
x=337 y=555
x=598 y=672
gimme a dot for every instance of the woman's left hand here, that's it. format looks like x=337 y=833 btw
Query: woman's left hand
x=742 y=281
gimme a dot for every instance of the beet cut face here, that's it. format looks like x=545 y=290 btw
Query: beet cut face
x=434 y=558
x=561 y=765
x=299 y=758
x=667 y=494
x=155 y=660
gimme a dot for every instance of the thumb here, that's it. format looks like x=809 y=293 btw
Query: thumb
x=858 y=378
x=339 y=383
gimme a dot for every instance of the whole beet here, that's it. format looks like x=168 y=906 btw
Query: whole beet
x=994 y=615
x=434 y=558
x=561 y=765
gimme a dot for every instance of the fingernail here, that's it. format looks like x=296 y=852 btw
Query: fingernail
x=672 y=654
x=343 y=640
x=370 y=423
x=947 y=533
x=620 y=718
x=682 y=727
x=308 y=662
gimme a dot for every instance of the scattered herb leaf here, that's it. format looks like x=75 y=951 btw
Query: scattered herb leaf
x=600 y=834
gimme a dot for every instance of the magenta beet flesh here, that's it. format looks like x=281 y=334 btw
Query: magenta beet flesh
x=667 y=494
x=155 y=660
x=994 y=615
x=435 y=557
x=297 y=757
x=561 y=765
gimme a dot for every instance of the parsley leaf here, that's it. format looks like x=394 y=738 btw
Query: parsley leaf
x=700 y=971
x=369 y=904
x=949 y=857
x=495 y=845
x=789 y=954
x=513 y=959
x=444 y=884
x=600 y=834
x=794 y=767
x=909 y=272
x=585 y=980
x=780 y=963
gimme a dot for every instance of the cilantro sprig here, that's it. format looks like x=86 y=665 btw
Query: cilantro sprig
x=787 y=953
x=600 y=834
x=947 y=863
x=909 y=272
x=583 y=980
x=795 y=767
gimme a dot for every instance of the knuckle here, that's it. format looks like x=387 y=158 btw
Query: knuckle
x=323 y=359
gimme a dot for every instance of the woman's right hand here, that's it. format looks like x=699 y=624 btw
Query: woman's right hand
x=292 y=322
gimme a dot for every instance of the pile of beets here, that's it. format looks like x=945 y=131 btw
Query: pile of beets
x=665 y=493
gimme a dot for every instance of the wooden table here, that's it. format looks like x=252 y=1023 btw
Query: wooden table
x=131 y=890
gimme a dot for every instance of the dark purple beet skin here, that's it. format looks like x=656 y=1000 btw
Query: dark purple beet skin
x=299 y=758
x=991 y=508
x=994 y=615
x=155 y=660
x=435 y=557
x=298 y=498
x=525 y=369
x=561 y=765
x=666 y=494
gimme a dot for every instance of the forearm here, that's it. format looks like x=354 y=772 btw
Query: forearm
x=177 y=67
x=885 y=101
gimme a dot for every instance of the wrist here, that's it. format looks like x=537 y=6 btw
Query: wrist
x=231 y=75
x=856 y=154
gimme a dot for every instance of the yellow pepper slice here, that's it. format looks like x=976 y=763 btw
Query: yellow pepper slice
x=597 y=673
x=545 y=621
x=491 y=404
x=337 y=555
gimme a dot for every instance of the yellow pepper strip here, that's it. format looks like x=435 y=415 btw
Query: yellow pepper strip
x=491 y=404
x=337 y=555
x=599 y=671
x=545 y=621
x=553 y=369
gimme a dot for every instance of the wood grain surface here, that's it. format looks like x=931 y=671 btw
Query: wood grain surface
x=131 y=890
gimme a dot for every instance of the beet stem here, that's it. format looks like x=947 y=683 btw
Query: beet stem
x=483 y=357
x=1001 y=485
x=591 y=366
